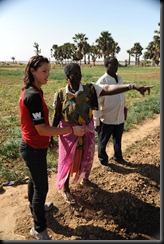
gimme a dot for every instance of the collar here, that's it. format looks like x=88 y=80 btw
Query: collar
x=77 y=92
x=36 y=88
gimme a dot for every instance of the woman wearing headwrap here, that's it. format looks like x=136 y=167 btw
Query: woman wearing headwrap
x=74 y=105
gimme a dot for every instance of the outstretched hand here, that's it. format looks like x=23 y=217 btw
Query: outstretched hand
x=142 y=89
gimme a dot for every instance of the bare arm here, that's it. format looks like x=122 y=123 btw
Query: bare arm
x=116 y=89
x=45 y=130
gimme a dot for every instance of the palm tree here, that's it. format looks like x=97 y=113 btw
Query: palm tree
x=57 y=53
x=86 y=51
x=146 y=58
x=13 y=59
x=80 y=39
x=137 y=51
x=115 y=49
x=130 y=54
x=68 y=51
x=95 y=53
x=153 y=48
x=105 y=43
x=156 y=45
x=54 y=51
x=37 y=50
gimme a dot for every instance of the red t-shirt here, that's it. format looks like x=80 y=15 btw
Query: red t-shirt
x=33 y=111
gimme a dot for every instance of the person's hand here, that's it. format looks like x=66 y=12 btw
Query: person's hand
x=78 y=130
x=142 y=88
x=97 y=128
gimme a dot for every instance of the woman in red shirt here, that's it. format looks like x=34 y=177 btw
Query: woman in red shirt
x=36 y=133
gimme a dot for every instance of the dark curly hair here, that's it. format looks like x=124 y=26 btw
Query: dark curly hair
x=72 y=68
x=110 y=60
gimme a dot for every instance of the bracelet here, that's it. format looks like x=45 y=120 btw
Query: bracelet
x=72 y=130
x=130 y=86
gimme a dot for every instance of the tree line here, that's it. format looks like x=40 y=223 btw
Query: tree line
x=104 y=46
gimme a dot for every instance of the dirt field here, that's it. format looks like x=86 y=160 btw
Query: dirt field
x=126 y=205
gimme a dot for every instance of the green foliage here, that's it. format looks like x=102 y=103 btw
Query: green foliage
x=152 y=105
x=57 y=75
x=10 y=150
x=139 y=110
x=11 y=72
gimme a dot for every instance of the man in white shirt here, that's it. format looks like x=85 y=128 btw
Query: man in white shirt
x=109 y=119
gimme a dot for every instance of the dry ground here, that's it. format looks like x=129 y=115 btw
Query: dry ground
x=126 y=206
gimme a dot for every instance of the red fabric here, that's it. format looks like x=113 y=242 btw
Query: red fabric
x=76 y=161
x=29 y=132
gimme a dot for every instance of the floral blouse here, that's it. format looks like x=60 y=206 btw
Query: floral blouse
x=76 y=109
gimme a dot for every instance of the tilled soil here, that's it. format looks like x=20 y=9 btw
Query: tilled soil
x=125 y=206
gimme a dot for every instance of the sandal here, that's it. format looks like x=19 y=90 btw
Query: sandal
x=68 y=197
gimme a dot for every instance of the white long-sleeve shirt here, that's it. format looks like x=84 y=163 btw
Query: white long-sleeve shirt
x=111 y=108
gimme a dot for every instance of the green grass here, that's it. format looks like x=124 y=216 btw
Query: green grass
x=139 y=108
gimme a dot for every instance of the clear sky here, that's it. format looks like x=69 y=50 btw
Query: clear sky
x=49 y=22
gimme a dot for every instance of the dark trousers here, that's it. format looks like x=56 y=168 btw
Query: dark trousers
x=35 y=160
x=106 y=131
